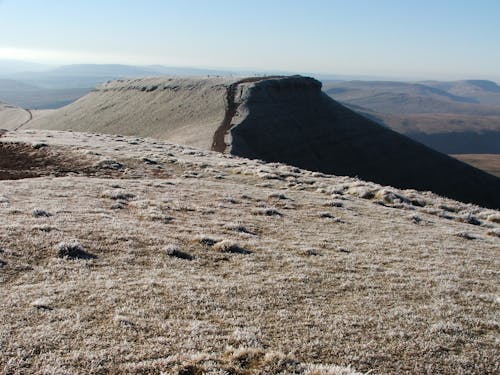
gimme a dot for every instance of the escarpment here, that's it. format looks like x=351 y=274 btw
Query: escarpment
x=279 y=119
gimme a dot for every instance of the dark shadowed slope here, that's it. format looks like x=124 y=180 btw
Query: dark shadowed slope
x=290 y=120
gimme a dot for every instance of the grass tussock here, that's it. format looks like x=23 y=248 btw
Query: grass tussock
x=73 y=250
x=267 y=212
x=227 y=246
x=38 y=212
x=175 y=251
x=119 y=194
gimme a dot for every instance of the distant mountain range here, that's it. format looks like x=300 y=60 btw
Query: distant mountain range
x=11 y=66
x=452 y=117
x=42 y=87
x=90 y=75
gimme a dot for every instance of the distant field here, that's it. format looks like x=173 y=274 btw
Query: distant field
x=487 y=162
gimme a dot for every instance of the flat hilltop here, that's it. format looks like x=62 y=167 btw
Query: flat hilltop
x=131 y=255
x=276 y=119
x=182 y=110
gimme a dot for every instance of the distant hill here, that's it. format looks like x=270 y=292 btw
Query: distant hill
x=100 y=70
x=80 y=76
x=13 y=85
x=285 y=119
x=12 y=66
x=485 y=92
x=426 y=97
x=91 y=75
x=51 y=88
x=451 y=117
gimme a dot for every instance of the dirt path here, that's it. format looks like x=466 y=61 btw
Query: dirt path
x=219 y=143
x=26 y=122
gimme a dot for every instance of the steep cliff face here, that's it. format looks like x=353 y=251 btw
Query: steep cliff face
x=291 y=120
x=283 y=119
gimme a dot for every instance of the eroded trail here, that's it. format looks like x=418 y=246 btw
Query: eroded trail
x=219 y=143
x=30 y=117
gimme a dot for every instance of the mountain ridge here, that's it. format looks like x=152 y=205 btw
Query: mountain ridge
x=281 y=119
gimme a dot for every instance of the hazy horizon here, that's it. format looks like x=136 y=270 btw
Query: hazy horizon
x=388 y=39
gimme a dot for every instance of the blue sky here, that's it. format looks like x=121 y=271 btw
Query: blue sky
x=444 y=39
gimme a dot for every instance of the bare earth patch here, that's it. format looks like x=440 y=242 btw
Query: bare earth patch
x=25 y=161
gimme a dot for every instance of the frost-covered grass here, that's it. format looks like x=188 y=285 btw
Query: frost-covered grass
x=392 y=287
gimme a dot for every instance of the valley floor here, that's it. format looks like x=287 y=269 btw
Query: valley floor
x=487 y=162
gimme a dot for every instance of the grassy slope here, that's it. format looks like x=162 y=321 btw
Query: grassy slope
x=184 y=111
x=11 y=116
x=389 y=287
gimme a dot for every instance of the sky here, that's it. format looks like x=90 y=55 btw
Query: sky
x=424 y=39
